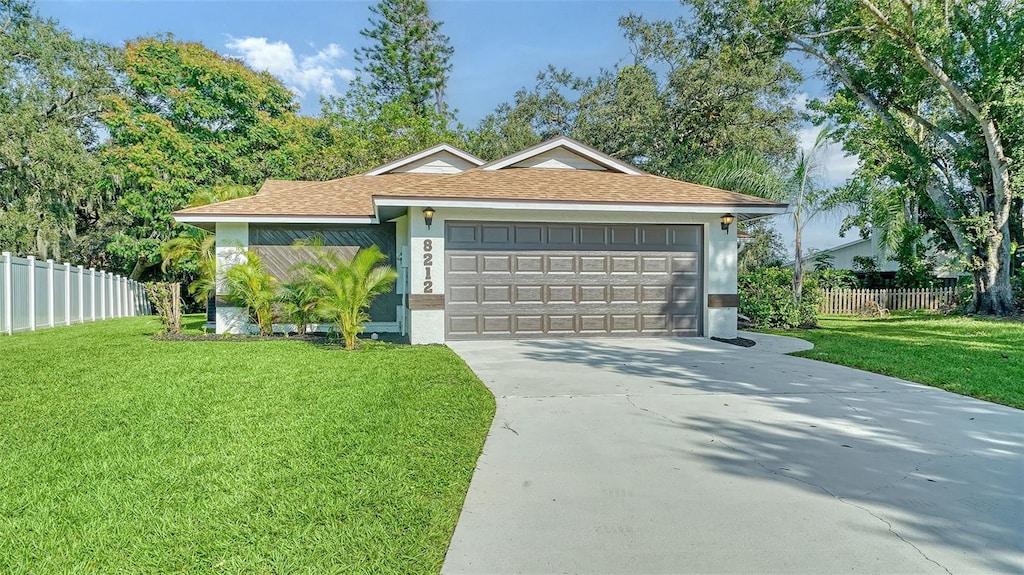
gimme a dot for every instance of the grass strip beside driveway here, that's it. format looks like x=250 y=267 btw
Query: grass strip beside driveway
x=119 y=453
x=982 y=358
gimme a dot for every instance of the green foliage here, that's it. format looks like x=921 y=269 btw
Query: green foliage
x=742 y=171
x=347 y=287
x=189 y=120
x=166 y=300
x=297 y=302
x=832 y=279
x=242 y=457
x=684 y=98
x=928 y=96
x=916 y=269
x=1018 y=291
x=358 y=133
x=763 y=249
x=192 y=254
x=252 y=288
x=823 y=260
x=868 y=267
x=408 y=59
x=766 y=297
x=969 y=356
x=50 y=86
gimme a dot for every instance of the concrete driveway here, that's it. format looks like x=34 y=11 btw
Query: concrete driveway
x=691 y=456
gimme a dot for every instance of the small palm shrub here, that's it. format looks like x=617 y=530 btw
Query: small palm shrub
x=347 y=287
x=298 y=300
x=766 y=297
x=250 y=286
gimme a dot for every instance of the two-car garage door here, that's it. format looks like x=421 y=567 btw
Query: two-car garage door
x=523 y=280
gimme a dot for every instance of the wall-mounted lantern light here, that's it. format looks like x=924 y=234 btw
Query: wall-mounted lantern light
x=428 y=216
x=727 y=221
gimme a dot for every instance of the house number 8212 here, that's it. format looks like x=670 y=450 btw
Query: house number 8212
x=428 y=261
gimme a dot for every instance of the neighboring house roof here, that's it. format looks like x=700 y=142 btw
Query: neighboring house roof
x=548 y=179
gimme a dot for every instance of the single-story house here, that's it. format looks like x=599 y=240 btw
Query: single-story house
x=558 y=239
x=842 y=258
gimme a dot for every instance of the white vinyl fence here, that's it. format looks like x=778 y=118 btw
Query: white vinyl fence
x=38 y=294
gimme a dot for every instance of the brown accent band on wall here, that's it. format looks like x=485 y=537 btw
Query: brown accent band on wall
x=424 y=301
x=723 y=300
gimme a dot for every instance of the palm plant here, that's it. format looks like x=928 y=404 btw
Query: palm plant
x=298 y=300
x=193 y=249
x=347 y=287
x=250 y=286
x=806 y=200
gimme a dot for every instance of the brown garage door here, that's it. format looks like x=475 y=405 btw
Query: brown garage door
x=523 y=280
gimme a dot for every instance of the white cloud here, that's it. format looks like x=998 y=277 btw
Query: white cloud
x=311 y=73
x=834 y=164
x=799 y=101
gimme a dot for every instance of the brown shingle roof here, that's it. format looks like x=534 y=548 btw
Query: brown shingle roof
x=353 y=196
x=344 y=197
x=564 y=185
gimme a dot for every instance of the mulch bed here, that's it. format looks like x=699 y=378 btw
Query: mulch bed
x=314 y=338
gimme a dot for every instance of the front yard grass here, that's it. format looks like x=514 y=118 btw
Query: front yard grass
x=981 y=358
x=119 y=453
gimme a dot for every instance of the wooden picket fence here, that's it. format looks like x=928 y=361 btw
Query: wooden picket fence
x=869 y=301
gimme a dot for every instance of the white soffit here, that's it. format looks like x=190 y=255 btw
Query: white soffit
x=586 y=153
x=420 y=157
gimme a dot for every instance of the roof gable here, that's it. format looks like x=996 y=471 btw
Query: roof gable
x=559 y=159
x=565 y=153
x=440 y=159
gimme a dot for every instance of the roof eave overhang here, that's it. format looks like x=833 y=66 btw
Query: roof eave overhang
x=703 y=208
x=744 y=212
x=209 y=221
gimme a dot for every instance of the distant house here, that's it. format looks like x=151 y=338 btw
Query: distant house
x=947 y=267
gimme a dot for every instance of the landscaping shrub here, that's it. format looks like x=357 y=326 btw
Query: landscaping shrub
x=347 y=287
x=297 y=300
x=250 y=286
x=766 y=297
x=830 y=279
x=166 y=300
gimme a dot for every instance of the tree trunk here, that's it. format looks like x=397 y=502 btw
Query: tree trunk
x=141 y=265
x=993 y=294
x=798 y=265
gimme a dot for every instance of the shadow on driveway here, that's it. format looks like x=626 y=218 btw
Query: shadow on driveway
x=940 y=472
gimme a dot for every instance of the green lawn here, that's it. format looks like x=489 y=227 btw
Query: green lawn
x=119 y=453
x=976 y=357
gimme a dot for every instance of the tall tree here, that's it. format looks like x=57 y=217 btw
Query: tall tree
x=357 y=132
x=683 y=99
x=50 y=86
x=937 y=84
x=408 y=58
x=806 y=199
x=762 y=249
x=187 y=119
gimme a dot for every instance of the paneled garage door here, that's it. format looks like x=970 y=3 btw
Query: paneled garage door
x=523 y=280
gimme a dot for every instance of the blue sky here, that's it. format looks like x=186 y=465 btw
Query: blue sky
x=499 y=47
